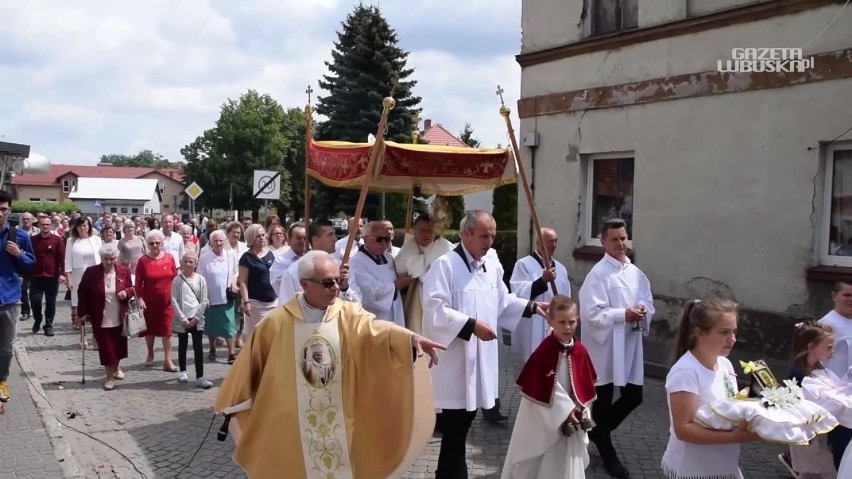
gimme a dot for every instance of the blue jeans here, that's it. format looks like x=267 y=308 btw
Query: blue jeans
x=9 y=314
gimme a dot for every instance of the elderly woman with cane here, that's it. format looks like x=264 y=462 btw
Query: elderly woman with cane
x=102 y=300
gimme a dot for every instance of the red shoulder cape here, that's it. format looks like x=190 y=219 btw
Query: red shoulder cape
x=537 y=380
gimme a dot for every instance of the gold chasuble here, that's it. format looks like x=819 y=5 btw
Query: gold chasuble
x=337 y=399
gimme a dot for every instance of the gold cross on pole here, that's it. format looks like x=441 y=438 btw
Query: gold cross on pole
x=309 y=91
x=500 y=94
x=415 y=119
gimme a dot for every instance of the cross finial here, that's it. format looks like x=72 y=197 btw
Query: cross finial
x=415 y=118
x=309 y=91
x=500 y=94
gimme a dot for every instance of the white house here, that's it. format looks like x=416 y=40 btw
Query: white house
x=733 y=182
x=124 y=196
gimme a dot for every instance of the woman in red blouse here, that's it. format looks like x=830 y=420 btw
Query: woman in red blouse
x=154 y=274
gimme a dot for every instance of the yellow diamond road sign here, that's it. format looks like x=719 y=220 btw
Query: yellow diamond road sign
x=193 y=190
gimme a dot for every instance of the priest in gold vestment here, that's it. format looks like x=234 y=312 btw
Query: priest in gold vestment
x=366 y=413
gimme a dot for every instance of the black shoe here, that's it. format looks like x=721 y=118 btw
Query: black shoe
x=48 y=331
x=616 y=469
x=36 y=326
x=24 y=316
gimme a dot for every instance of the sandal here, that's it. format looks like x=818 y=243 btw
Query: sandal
x=211 y=355
x=231 y=359
x=172 y=369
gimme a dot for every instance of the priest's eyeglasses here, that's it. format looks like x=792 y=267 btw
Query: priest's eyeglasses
x=326 y=283
x=381 y=239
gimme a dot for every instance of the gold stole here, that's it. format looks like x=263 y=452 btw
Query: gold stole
x=319 y=391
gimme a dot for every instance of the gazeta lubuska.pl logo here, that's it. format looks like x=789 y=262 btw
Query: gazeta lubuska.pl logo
x=770 y=60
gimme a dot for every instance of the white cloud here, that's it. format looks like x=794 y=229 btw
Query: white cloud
x=94 y=77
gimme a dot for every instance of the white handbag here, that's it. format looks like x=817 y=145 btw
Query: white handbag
x=134 y=320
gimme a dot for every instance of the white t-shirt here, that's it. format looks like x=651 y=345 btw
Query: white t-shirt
x=841 y=359
x=687 y=460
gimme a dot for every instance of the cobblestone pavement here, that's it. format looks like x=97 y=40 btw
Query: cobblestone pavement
x=157 y=424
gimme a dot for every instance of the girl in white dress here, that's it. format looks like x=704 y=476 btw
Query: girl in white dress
x=702 y=374
x=812 y=348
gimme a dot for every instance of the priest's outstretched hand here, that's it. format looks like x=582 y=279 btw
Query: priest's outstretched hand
x=427 y=346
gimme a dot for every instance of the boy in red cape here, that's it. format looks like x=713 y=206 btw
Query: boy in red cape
x=550 y=439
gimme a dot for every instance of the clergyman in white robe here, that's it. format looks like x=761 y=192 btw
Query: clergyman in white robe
x=375 y=277
x=458 y=291
x=414 y=259
x=526 y=283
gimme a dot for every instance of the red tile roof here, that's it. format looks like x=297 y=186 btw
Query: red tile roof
x=438 y=135
x=56 y=171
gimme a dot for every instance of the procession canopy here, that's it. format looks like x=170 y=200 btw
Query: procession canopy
x=438 y=170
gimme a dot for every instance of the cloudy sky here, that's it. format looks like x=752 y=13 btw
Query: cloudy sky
x=91 y=77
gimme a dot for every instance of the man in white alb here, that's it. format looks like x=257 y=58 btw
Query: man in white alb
x=373 y=270
x=340 y=245
x=415 y=257
x=393 y=250
x=464 y=302
x=616 y=307
x=531 y=280
x=172 y=242
x=298 y=242
x=322 y=237
x=840 y=320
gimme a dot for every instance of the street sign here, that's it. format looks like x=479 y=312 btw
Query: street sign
x=267 y=185
x=193 y=191
x=97 y=203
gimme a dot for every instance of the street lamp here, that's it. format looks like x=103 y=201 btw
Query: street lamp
x=19 y=159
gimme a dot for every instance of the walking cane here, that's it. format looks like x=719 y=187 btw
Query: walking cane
x=83 y=345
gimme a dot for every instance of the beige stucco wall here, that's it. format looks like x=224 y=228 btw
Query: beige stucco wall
x=173 y=189
x=724 y=185
x=44 y=193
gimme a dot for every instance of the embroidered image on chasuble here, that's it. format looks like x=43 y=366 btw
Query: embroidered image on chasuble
x=341 y=398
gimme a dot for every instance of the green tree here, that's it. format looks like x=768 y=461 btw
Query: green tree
x=366 y=61
x=145 y=158
x=504 y=204
x=252 y=133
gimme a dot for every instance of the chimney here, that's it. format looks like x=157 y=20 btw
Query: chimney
x=427 y=123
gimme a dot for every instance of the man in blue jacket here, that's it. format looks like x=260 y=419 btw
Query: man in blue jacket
x=16 y=257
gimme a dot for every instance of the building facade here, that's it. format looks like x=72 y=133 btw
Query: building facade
x=62 y=179
x=733 y=182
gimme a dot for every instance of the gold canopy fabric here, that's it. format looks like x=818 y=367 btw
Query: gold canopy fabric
x=438 y=170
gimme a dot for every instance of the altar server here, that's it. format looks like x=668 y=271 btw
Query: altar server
x=616 y=307
x=414 y=258
x=322 y=238
x=531 y=280
x=373 y=269
x=340 y=245
x=464 y=296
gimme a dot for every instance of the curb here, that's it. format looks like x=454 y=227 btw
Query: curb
x=55 y=430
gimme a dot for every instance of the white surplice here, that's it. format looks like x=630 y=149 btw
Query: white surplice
x=413 y=259
x=278 y=271
x=290 y=286
x=610 y=288
x=375 y=277
x=340 y=247
x=456 y=289
x=528 y=334
x=538 y=449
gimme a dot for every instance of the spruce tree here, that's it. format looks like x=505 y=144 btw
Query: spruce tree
x=366 y=61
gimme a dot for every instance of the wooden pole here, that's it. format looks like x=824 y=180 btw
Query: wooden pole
x=308 y=137
x=415 y=139
x=505 y=112
x=387 y=105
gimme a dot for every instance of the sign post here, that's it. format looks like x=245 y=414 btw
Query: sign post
x=193 y=191
x=266 y=186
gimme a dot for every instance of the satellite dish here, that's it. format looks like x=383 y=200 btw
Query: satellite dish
x=36 y=164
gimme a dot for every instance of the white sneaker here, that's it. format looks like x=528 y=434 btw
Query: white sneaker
x=203 y=383
x=183 y=378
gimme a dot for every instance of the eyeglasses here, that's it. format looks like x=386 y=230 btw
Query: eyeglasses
x=155 y=242
x=381 y=239
x=326 y=283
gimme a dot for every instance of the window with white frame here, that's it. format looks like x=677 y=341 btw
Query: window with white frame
x=66 y=186
x=609 y=193
x=836 y=247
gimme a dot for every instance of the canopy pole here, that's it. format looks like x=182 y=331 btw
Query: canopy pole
x=415 y=139
x=505 y=112
x=387 y=105
x=308 y=136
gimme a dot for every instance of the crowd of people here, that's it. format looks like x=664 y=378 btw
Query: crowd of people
x=302 y=328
